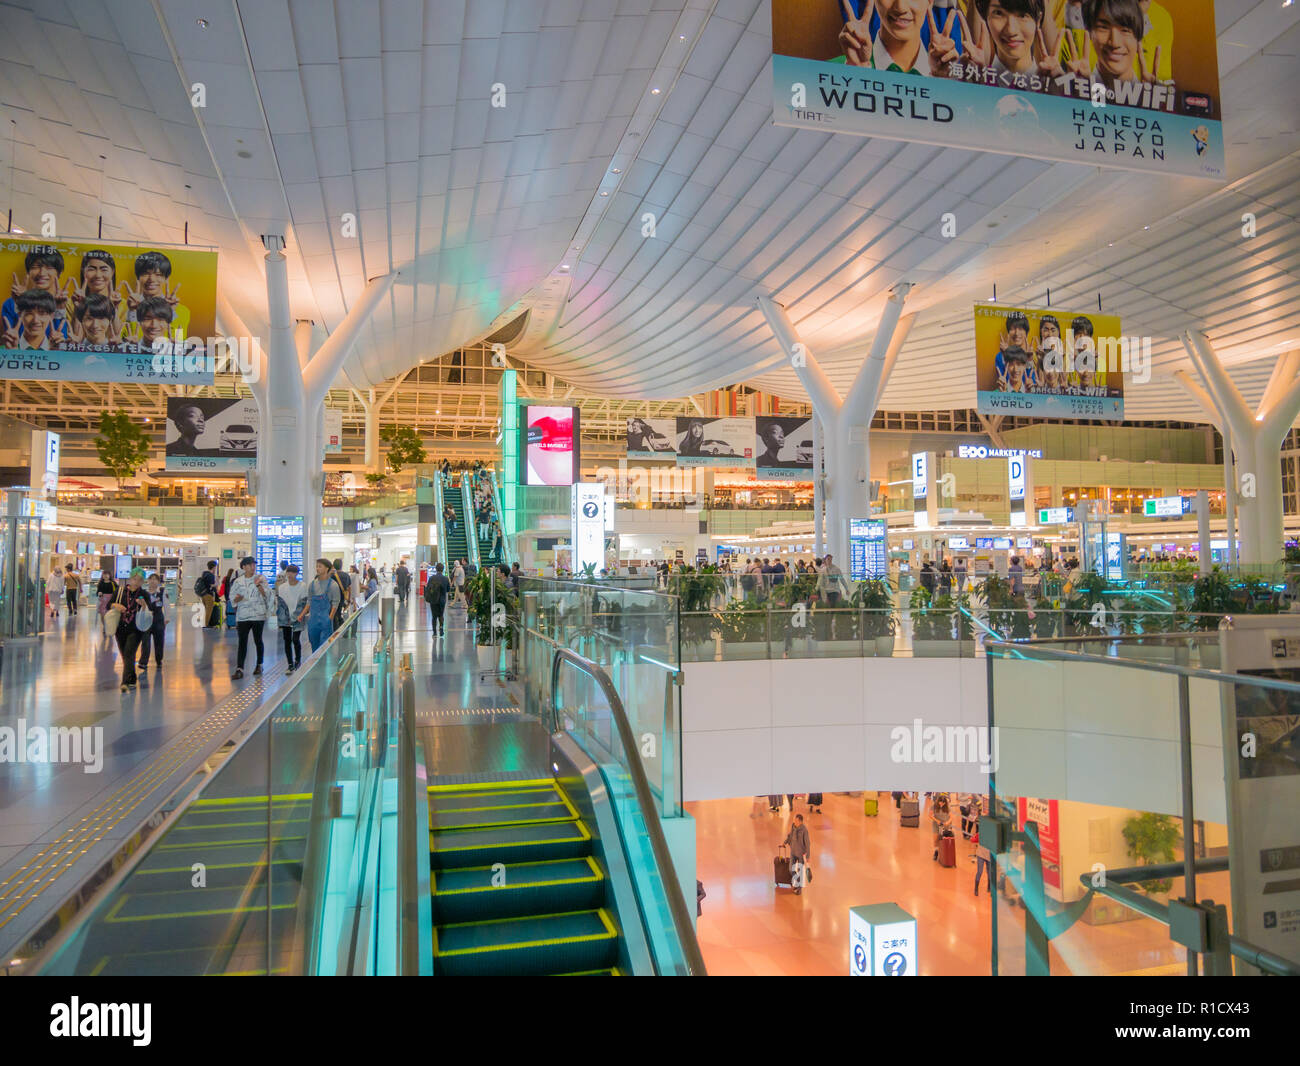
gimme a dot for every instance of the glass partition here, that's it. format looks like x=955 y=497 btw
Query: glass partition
x=1115 y=807
x=252 y=867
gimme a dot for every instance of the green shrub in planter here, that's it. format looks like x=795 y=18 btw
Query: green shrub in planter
x=479 y=591
x=1151 y=839
x=742 y=622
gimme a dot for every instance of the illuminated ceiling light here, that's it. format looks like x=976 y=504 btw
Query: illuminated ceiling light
x=203 y=23
x=564 y=266
x=654 y=92
x=617 y=170
x=603 y=192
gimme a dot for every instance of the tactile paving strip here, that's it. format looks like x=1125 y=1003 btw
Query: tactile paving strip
x=22 y=887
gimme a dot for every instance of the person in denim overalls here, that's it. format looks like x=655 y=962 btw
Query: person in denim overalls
x=323 y=599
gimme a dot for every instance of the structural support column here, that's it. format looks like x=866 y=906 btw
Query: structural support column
x=1258 y=443
x=1215 y=416
x=819 y=472
x=291 y=444
x=846 y=422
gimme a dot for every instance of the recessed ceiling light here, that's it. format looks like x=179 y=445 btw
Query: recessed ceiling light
x=564 y=266
x=617 y=170
x=17 y=230
x=603 y=192
x=654 y=92
x=681 y=36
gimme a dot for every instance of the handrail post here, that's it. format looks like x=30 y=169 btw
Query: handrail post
x=1189 y=845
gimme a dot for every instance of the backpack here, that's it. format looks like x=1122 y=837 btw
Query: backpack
x=199 y=585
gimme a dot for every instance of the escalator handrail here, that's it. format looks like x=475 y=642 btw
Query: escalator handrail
x=414 y=929
x=193 y=788
x=469 y=518
x=645 y=800
x=507 y=555
x=443 y=556
x=316 y=854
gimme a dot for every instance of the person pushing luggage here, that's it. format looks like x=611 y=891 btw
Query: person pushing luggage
x=800 y=849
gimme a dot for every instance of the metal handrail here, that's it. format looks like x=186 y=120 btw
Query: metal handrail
x=1016 y=649
x=471 y=526
x=414 y=956
x=1115 y=884
x=641 y=787
x=507 y=554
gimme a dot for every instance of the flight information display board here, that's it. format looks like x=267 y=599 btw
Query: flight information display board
x=278 y=537
x=867 y=552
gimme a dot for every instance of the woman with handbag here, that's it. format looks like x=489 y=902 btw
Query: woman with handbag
x=131 y=618
x=105 y=590
x=156 y=634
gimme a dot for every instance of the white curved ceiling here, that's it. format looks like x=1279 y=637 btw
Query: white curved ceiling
x=383 y=110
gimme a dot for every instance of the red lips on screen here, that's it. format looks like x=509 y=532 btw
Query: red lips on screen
x=551 y=434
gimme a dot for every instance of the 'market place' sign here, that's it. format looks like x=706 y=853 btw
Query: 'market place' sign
x=979 y=451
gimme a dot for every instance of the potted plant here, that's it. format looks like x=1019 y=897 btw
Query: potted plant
x=1008 y=611
x=1151 y=839
x=1212 y=598
x=874 y=604
x=697 y=623
x=483 y=612
x=744 y=628
x=941 y=626
x=1081 y=607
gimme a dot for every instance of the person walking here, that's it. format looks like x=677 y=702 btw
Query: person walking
x=983 y=863
x=227 y=583
x=945 y=577
x=344 y=581
x=71 y=589
x=324 y=602
x=458 y=581
x=205 y=587
x=435 y=595
x=105 y=591
x=54 y=590
x=254 y=600
x=940 y=819
x=291 y=597
x=959 y=573
x=402 y=582
x=128 y=601
x=800 y=851
x=156 y=594
x=830 y=582
x=1016 y=574
x=372 y=582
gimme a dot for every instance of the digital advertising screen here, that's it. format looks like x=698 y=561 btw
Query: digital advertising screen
x=1116 y=83
x=783 y=447
x=1048 y=363
x=210 y=433
x=89 y=311
x=651 y=438
x=715 y=441
x=551 y=454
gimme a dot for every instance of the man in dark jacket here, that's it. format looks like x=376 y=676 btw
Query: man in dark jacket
x=206 y=587
x=436 y=591
x=800 y=850
x=402 y=582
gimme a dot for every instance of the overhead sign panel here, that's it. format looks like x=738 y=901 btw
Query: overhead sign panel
x=89 y=311
x=652 y=438
x=1055 y=516
x=715 y=441
x=1049 y=364
x=1166 y=506
x=1114 y=92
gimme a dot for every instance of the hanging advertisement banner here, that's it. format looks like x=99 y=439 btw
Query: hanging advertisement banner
x=89 y=311
x=715 y=441
x=551 y=452
x=1049 y=364
x=1021 y=78
x=651 y=438
x=209 y=433
x=783 y=447
x=333 y=429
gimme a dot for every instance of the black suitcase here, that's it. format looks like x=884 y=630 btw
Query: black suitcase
x=774 y=802
x=781 y=866
x=814 y=799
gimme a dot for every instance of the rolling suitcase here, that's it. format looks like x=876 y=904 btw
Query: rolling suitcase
x=774 y=802
x=947 y=850
x=814 y=799
x=870 y=806
x=910 y=814
x=781 y=866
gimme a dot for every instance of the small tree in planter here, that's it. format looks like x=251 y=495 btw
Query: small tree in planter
x=875 y=600
x=1151 y=839
x=743 y=625
x=482 y=609
x=696 y=591
x=1081 y=606
x=1008 y=611
x=940 y=623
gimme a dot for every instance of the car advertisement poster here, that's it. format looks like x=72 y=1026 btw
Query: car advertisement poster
x=651 y=438
x=1112 y=83
x=715 y=441
x=1049 y=363
x=211 y=434
x=89 y=311
x=783 y=447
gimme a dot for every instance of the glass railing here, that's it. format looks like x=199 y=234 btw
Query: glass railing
x=256 y=862
x=633 y=637
x=1123 y=840
x=584 y=705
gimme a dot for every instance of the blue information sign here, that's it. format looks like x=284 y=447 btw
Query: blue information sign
x=277 y=537
x=867 y=553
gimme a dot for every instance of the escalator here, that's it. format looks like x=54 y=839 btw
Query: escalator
x=456 y=541
x=516 y=888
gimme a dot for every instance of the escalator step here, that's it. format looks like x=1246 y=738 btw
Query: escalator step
x=534 y=946
x=515 y=814
x=469 y=893
x=463 y=798
x=510 y=843
x=613 y=971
